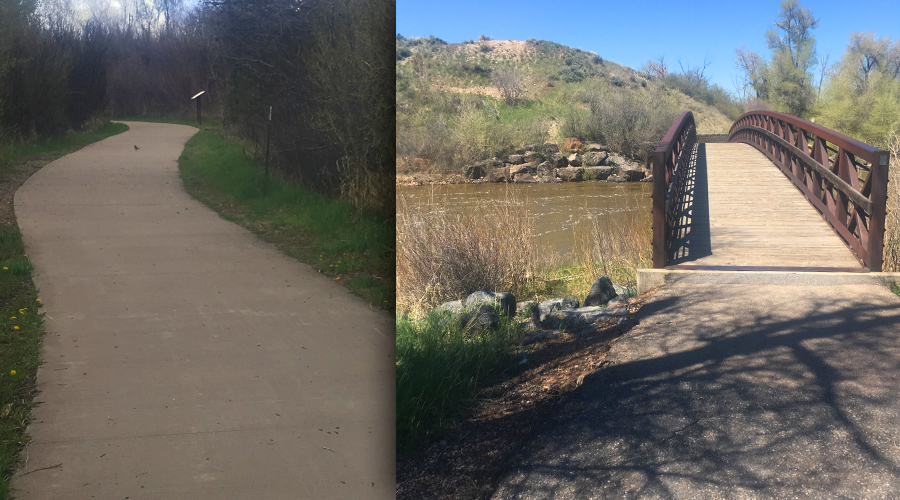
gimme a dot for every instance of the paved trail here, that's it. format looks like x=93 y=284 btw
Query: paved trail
x=184 y=357
x=769 y=385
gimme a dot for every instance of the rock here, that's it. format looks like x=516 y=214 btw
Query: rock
x=518 y=169
x=563 y=303
x=515 y=159
x=524 y=179
x=538 y=336
x=498 y=175
x=571 y=144
x=594 y=159
x=574 y=159
x=533 y=156
x=529 y=307
x=632 y=173
x=574 y=318
x=616 y=178
x=475 y=172
x=479 y=318
x=597 y=147
x=453 y=306
x=649 y=178
x=550 y=180
x=597 y=173
x=623 y=292
x=558 y=160
x=504 y=301
x=601 y=292
x=571 y=174
x=551 y=148
x=545 y=169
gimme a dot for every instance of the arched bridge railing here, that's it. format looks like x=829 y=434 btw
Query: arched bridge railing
x=671 y=159
x=844 y=179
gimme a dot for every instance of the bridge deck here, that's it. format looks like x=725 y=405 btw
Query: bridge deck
x=740 y=210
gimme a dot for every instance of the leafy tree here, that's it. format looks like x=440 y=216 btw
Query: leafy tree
x=785 y=80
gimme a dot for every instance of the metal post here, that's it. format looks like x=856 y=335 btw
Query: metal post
x=268 y=133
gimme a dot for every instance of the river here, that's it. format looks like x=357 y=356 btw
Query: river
x=556 y=209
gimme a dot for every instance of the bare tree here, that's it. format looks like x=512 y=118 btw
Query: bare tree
x=510 y=82
x=656 y=68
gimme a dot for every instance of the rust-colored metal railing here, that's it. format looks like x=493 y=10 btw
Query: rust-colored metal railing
x=844 y=179
x=671 y=159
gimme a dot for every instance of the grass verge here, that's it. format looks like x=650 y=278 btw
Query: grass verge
x=440 y=366
x=21 y=329
x=355 y=249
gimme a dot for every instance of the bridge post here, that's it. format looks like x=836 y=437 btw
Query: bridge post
x=879 y=174
x=659 y=209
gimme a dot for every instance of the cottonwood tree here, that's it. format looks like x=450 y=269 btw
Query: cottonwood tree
x=786 y=79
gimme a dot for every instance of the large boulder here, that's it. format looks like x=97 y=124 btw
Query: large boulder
x=596 y=147
x=631 y=173
x=475 y=172
x=454 y=306
x=533 y=156
x=571 y=144
x=478 y=318
x=558 y=160
x=545 y=169
x=574 y=159
x=597 y=173
x=602 y=291
x=595 y=158
x=515 y=159
x=505 y=302
x=524 y=168
x=550 y=180
x=571 y=174
x=616 y=178
x=577 y=318
x=561 y=304
x=498 y=175
x=551 y=148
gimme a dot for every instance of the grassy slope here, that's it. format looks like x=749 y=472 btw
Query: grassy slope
x=458 y=66
x=354 y=249
x=21 y=329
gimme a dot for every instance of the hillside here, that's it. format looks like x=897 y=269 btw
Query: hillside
x=451 y=114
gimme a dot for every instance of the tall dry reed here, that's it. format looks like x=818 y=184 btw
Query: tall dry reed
x=892 y=221
x=443 y=255
x=616 y=247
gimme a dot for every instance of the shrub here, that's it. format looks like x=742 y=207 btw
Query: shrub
x=510 y=82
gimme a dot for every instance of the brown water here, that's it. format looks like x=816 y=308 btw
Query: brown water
x=554 y=208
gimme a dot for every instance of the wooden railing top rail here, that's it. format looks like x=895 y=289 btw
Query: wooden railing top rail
x=860 y=149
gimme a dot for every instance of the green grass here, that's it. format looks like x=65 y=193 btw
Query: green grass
x=353 y=248
x=21 y=327
x=51 y=149
x=440 y=366
x=895 y=287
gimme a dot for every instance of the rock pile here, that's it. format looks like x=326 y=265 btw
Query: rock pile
x=481 y=310
x=547 y=163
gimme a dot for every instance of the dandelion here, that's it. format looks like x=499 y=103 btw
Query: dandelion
x=338 y=278
x=15 y=328
x=22 y=311
x=38 y=300
x=12 y=317
x=5 y=268
x=12 y=372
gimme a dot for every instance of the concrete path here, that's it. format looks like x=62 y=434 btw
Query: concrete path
x=767 y=385
x=184 y=358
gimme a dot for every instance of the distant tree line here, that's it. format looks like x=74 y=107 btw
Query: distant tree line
x=324 y=67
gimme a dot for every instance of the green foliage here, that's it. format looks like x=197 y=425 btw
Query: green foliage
x=327 y=234
x=440 y=366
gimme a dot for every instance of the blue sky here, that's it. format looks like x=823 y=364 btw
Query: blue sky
x=630 y=32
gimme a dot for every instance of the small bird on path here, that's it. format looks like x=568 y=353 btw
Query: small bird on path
x=136 y=148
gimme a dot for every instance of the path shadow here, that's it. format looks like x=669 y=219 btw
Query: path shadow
x=792 y=401
x=691 y=241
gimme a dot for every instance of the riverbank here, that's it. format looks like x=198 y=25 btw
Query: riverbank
x=570 y=161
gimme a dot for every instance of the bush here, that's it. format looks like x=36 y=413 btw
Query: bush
x=510 y=82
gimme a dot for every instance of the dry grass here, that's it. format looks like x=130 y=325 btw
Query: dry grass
x=616 y=249
x=443 y=257
x=892 y=221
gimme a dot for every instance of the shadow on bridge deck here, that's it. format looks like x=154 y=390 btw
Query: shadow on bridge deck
x=691 y=240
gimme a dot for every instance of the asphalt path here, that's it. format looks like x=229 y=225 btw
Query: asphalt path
x=733 y=386
x=185 y=358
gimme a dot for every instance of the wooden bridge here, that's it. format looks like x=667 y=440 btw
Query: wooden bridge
x=782 y=194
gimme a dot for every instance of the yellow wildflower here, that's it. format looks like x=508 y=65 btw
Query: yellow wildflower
x=12 y=372
x=38 y=300
x=15 y=328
